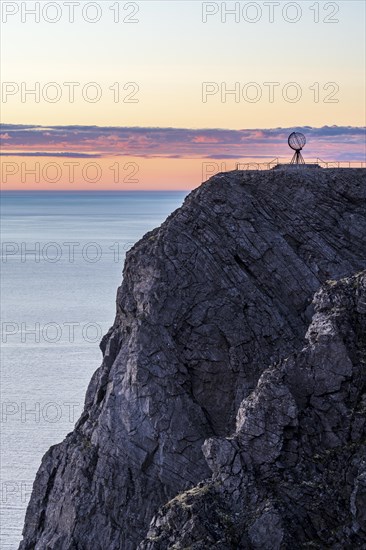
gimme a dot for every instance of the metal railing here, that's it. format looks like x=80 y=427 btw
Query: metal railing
x=341 y=164
x=322 y=163
x=257 y=165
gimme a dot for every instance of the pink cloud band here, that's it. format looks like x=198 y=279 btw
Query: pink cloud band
x=331 y=142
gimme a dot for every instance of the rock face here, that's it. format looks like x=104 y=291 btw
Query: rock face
x=293 y=475
x=209 y=300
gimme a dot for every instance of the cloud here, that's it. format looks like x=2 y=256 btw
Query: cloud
x=57 y=155
x=334 y=142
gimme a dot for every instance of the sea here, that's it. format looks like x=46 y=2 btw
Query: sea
x=62 y=255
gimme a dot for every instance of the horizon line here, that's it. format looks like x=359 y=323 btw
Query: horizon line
x=95 y=190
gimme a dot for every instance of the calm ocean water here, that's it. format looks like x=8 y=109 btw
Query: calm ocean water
x=62 y=258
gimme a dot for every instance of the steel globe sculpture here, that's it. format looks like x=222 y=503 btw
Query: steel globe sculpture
x=297 y=141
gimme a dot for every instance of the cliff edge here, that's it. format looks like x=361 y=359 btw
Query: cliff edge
x=212 y=298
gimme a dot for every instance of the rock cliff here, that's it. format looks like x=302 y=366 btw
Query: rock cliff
x=186 y=421
x=293 y=475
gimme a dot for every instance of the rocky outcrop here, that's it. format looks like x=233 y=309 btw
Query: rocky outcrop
x=293 y=475
x=211 y=298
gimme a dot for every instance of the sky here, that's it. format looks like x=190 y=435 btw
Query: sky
x=160 y=94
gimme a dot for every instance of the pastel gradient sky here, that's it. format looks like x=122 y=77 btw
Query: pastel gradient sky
x=162 y=130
